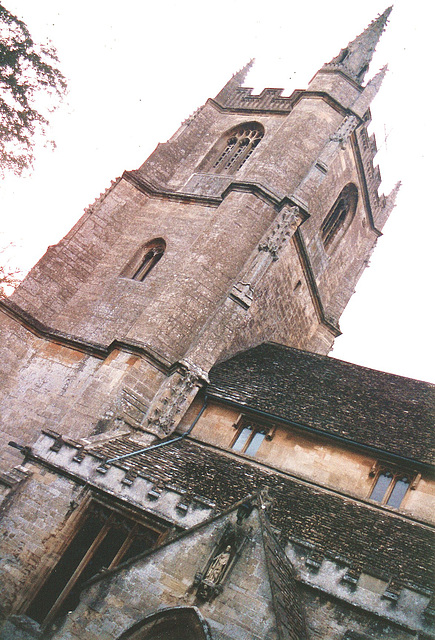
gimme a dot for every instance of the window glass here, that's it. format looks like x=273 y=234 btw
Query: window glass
x=144 y=260
x=101 y=559
x=381 y=486
x=104 y=539
x=232 y=151
x=340 y=216
x=398 y=493
x=254 y=445
x=65 y=568
x=242 y=439
x=150 y=259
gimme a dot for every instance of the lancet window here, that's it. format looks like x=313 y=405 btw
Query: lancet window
x=145 y=260
x=340 y=216
x=390 y=487
x=249 y=436
x=234 y=149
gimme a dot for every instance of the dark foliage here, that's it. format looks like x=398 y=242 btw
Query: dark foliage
x=27 y=79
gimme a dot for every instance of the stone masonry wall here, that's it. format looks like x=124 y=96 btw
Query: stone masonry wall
x=32 y=533
x=165 y=579
x=47 y=385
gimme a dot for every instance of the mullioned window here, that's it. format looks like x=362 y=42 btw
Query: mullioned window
x=233 y=149
x=390 y=486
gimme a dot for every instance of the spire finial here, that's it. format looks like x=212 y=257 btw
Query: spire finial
x=364 y=100
x=240 y=76
x=354 y=60
x=235 y=81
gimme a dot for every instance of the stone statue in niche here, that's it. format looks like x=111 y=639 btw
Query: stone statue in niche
x=209 y=582
x=217 y=568
x=226 y=553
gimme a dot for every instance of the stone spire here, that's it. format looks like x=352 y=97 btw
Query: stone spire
x=354 y=60
x=235 y=81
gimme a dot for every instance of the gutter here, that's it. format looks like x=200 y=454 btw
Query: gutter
x=374 y=450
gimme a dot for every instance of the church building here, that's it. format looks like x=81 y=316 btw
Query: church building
x=180 y=458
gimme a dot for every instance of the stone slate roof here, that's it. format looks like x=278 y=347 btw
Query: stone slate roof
x=366 y=537
x=369 y=407
x=289 y=613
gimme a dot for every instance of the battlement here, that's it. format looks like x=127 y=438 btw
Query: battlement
x=270 y=100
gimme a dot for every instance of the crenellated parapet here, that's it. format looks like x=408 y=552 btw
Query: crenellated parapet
x=270 y=100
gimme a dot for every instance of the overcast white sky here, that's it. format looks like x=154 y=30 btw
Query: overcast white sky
x=137 y=69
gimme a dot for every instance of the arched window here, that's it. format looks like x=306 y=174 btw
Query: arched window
x=250 y=435
x=145 y=259
x=181 y=623
x=342 y=56
x=233 y=149
x=390 y=488
x=248 y=439
x=339 y=218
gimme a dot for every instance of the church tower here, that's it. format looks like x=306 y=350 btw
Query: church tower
x=189 y=462
x=252 y=223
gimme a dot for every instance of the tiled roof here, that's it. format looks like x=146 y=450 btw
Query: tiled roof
x=289 y=613
x=368 y=537
x=370 y=407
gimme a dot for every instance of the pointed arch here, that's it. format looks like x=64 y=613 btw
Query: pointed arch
x=178 y=623
x=145 y=259
x=339 y=217
x=233 y=149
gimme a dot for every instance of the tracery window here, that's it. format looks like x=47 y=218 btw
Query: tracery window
x=340 y=216
x=234 y=149
x=390 y=487
x=104 y=539
x=145 y=260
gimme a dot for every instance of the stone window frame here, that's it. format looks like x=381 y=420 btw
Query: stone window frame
x=339 y=217
x=233 y=149
x=72 y=530
x=395 y=475
x=144 y=260
x=245 y=423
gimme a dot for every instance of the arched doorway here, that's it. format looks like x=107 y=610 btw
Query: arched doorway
x=179 y=623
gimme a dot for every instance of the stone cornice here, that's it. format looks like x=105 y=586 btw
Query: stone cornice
x=145 y=186
x=255 y=188
x=95 y=349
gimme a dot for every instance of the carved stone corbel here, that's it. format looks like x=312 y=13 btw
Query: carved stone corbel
x=344 y=131
x=175 y=394
x=285 y=225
